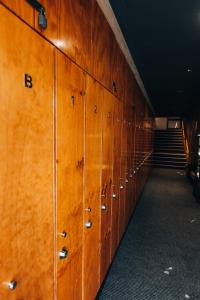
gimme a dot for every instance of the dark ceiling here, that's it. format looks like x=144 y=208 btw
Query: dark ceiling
x=164 y=40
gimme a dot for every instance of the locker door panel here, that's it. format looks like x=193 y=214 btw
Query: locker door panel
x=70 y=81
x=106 y=181
x=124 y=174
x=122 y=196
x=22 y=9
x=92 y=184
x=132 y=157
x=75 y=30
x=129 y=175
x=116 y=176
x=26 y=172
x=101 y=46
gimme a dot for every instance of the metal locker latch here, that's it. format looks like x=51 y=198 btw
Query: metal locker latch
x=88 y=209
x=63 y=234
x=63 y=253
x=42 y=20
x=88 y=224
x=114 y=196
x=12 y=285
x=103 y=207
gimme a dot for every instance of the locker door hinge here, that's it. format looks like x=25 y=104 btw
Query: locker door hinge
x=42 y=20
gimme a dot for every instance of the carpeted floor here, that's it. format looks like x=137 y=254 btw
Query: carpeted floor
x=159 y=257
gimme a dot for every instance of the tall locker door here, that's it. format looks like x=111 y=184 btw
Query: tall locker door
x=92 y=189
x=127 y=173
x=116 y=176
x=26 y=168
x=123 y=165
x=126 y=162
x=131 y=163
x=133 y=181
x=70 y=88
x=106 y=181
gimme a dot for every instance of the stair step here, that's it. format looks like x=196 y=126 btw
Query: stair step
x=168 y=144
x=172 y=151
x=168 y=166
x=167 y=153
x=169 y=130
x=169 y=158
x=170 y=148
x=166 y=162
x=166 y=137
x=168 y=134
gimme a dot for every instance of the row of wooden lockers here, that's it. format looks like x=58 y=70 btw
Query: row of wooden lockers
x=70 y=176
x=80 y=30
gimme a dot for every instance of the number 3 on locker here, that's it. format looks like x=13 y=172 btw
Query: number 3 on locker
x=28 y=81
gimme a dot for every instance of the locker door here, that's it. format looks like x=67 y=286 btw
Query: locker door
x=22 y=9
x=102 y=36
x=124 y=171
x=116 y=176
x=128 y=179
x=92 y=184
x=75 y=30
x=70 y=81
x=106 y=181
x=133 y=187
x=26 y=156
x=123 y=165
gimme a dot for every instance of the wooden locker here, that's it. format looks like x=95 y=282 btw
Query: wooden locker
x=22 y=9
x=52 y=8
x=128 y=169
x=123 y=166
x=26 y=172
x=116 y=176
x=122 y=196
x=102 y=37
x=92 y=188
x=117 y=73
x=70 y=89
x=75 y=30
x=133 y=186
x=127 y=162
x=106 y=181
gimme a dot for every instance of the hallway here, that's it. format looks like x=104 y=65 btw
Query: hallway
x=158 y=258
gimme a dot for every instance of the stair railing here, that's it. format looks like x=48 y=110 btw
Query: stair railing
x=186 y=147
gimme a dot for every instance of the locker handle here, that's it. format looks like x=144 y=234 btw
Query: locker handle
x=88 y=224
x=63 y=253
x=63 y=234
x=12 y=285
x=103 y=207
x=88 y=209
x=121 y=187
x=126 y=180
x=114 y=196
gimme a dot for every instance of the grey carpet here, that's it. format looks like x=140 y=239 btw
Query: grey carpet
x=164 y=233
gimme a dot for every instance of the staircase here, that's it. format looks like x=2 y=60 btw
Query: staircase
x=169 y=149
